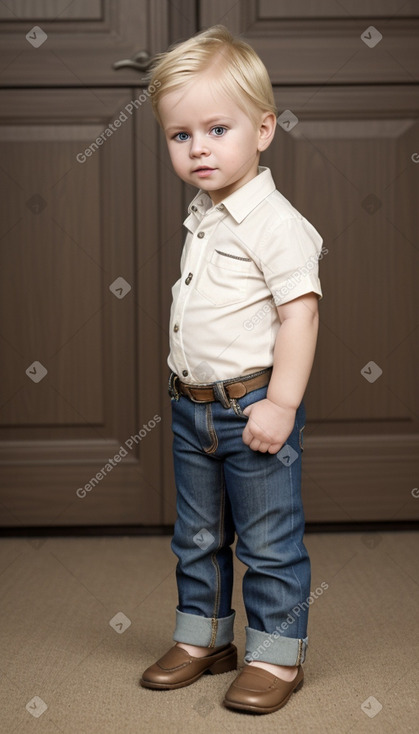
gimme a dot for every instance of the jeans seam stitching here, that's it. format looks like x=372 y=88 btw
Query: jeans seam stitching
x=214 y=621
x=211 y=431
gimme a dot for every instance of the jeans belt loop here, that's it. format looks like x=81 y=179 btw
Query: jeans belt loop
x=173 y=392
x=221 y=395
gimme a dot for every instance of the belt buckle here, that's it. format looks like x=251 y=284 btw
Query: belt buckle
x=173 y=392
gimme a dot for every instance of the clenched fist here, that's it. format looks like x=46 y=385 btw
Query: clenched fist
x=268 y=427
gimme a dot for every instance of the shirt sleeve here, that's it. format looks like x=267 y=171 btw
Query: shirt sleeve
x=290 y=260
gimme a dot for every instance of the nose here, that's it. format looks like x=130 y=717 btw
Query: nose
x=199 y=146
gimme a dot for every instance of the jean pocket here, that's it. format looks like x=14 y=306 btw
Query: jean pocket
x=237 y=409
x=240 y=404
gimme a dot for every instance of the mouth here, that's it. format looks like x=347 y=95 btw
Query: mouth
x=203 y=170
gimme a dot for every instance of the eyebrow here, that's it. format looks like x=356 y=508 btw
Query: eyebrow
x=215 y=118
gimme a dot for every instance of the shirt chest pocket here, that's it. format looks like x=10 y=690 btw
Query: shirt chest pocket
x=224 y=279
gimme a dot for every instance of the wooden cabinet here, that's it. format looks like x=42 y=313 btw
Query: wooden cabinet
x=91 y=235
x=84 y=408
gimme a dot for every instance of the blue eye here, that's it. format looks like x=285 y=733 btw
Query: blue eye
x=219 y=130
x=181 y=137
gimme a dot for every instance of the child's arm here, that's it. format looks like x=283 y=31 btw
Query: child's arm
x=272 y=420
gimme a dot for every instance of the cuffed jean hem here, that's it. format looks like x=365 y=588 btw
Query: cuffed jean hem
x=271 y=647
x=203 y=631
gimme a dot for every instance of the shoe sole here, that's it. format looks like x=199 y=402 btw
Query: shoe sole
x=259 y=709
x=225 y=665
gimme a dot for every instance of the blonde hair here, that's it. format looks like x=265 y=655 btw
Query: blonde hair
x=240 y=73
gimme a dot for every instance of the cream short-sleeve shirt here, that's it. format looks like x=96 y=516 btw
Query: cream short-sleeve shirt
x=241 y=259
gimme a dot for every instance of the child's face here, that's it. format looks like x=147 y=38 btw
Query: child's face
x=212 y=143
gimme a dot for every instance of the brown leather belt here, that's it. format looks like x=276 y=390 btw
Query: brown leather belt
x=223 y=391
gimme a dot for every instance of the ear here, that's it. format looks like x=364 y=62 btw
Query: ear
x=267 y=129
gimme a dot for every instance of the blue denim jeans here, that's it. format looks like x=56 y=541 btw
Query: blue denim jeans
x=225 y=488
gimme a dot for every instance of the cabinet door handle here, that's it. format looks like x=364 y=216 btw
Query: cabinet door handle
x=140 y=62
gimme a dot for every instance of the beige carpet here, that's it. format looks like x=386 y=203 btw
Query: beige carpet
x=67 y=668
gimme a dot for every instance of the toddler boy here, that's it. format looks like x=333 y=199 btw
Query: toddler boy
x=243 y=330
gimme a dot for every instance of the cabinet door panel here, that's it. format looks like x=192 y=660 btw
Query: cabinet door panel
x=347 y=165
x=326 y=42
x=79 y=390
x=59 y=43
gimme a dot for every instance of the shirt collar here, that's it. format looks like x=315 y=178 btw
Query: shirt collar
x=239 y=204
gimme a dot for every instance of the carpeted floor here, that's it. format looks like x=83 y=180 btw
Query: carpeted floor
x=82 y=617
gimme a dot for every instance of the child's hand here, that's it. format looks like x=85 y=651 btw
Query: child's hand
x=268 y=427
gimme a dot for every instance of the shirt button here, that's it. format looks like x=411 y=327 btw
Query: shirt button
x=201 y=235
x=220 y=207
x=176 y=327
x=194 y=208
x=185 y=373
x=189 y=278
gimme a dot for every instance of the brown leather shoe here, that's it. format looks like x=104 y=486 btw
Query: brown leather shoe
x=260 y=692
x=177 y=668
